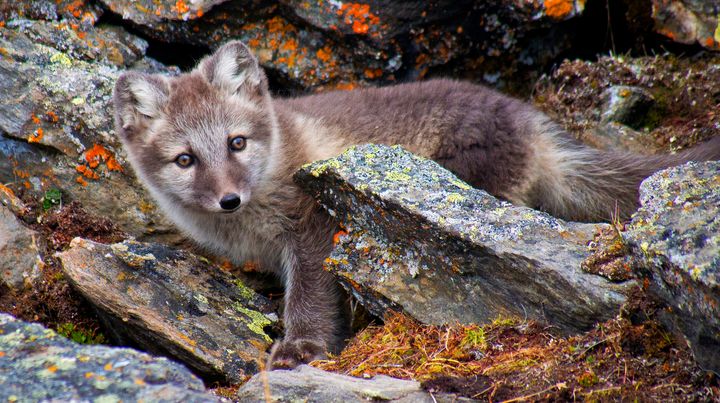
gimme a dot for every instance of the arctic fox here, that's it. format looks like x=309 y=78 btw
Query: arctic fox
x=218 y=155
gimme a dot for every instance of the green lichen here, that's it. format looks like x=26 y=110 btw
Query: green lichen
x=61 y=59
x=245 y=292
x=454 y=198
x=257 y=321
x=462 y=185
x=397 y=176
x=319 y=168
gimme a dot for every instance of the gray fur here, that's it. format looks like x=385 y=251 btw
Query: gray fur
x=490 y=140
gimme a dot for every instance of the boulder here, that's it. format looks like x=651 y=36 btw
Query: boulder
x=310 y=45
x=20 y=259
x=676 y=233
x=308 y=384
x=37 y=364
x=421 y=241
x=688 y=21
x=172 y=303
x=56 y=119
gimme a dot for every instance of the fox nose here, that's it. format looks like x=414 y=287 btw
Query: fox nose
x=230 y=201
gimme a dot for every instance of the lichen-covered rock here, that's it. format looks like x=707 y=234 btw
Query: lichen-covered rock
x=37 y=364
x=308 y=384
x=333 y=44
x=677 y=233
x=422 y=241
x=19 y=255
x=688 y=21
x=56 y=119
x=173 y=303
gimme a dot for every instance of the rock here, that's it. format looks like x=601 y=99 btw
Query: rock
x=56 y=119
x=308 y=384
x=627 y=105
x=311 y=45
x=677 y=233
x=19 y=254
x=78 y=11
x=37 y=364
x=422 y=241
x=688 y=21
x=683 y=93
x=172 y=303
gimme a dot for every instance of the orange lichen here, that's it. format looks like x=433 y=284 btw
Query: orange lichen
x=98 y=154
x=36 y=136
x=324 y=54
x=81 y=181
x=75 y=8
x=35 y=119
x=558 y=9
x=358 y=15
x=345 y=86
x=373 y=73
x=181 y=7
x=52 y=117
x=200 y=13
x=336 y=237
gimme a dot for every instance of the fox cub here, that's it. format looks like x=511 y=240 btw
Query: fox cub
x=218 y=155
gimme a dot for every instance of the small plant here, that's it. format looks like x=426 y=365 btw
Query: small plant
x=80 y=335
x=474 y=338
x=53 y=197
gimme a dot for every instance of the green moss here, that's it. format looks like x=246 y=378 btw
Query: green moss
x=474 y=338
x=256 y=320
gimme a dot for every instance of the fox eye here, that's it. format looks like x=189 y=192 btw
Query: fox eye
x=184 y=160
x=237 y=143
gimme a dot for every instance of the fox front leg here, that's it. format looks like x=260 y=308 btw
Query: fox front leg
x=312 y=317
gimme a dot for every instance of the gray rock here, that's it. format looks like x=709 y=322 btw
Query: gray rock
x=20 y=259
x=688 y=21
x=173 y=303
x=308 y=384
x=56 y=124
x=422 y=241
x=627 y=105
x=677 y=233
x=37 y=364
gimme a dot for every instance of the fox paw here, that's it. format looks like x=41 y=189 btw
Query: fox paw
x=288 y=354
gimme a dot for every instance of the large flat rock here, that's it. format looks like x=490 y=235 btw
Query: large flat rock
x=37 y=364
x=422 y=241
x=308 y=384
x=676 y=233
x=173 y=303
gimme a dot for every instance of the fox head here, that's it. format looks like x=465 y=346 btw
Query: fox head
x=202 y=140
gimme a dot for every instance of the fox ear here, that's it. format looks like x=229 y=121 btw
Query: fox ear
x=234 y=69
x=138 y=98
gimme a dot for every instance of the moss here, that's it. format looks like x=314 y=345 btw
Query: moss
x=257 y=321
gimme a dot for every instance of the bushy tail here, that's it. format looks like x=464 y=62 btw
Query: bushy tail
x=592 y=185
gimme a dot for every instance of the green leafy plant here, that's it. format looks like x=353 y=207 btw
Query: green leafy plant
x=80 y=335
x=53 y=197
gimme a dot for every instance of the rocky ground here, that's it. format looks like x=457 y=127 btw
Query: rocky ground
x=469 y=297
